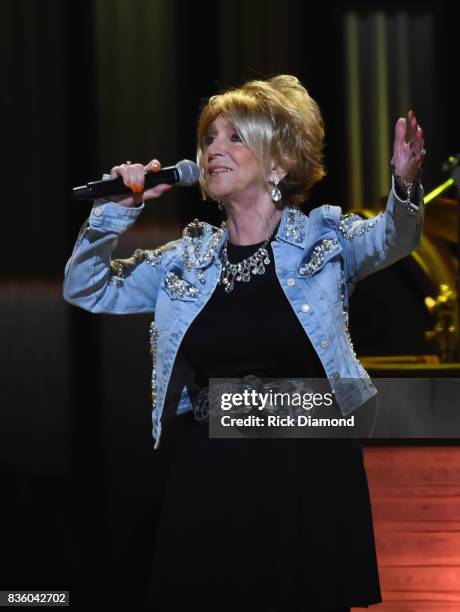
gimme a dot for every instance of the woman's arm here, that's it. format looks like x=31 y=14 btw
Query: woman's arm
x=372 y=244
x=95 y=282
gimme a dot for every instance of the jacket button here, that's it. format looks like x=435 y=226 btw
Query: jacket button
x=324 y=344
x=98 y=211
x=304 y=307
x=291 y=282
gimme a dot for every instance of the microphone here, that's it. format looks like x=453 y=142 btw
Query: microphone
x=452 y=162
x=185 y=173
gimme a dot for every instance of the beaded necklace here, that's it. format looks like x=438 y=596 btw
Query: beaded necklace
x=243 y=270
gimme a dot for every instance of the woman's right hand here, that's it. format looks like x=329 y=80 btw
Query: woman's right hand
x=133 y=177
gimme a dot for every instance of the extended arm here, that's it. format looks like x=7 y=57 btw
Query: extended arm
x=372 y=244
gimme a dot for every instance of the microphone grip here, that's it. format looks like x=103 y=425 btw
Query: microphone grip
x=101 y=189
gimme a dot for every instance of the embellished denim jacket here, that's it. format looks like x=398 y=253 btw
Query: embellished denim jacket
x=318 y=260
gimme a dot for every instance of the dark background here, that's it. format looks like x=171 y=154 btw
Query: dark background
x=87 y=85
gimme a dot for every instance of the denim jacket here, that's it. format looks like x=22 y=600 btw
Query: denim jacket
x=318 y=260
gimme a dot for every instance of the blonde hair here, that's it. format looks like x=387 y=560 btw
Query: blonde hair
x=278 y=120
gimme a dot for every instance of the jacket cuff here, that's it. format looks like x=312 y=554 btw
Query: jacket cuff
x=412 y=206
x=107 y=216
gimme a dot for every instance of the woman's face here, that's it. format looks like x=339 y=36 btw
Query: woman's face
x=230 y=167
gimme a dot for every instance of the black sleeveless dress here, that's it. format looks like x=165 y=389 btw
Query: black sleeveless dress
x=251 y=523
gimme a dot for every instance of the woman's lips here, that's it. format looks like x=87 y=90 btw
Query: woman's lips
x=213 y=171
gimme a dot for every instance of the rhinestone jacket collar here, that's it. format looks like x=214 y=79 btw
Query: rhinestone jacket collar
x=204 y=242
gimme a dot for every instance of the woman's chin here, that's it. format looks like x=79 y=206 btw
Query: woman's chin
x=218 y=194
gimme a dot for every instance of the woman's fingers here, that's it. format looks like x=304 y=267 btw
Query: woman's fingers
x=407 y=129
x=408 y=147
x=415 y=136
x=133 y=176
x=408 y=136
x=158 y=190
x=153 y=166
x=155 y=192
x=400 y=133
x=420 y=142
x=411 y=126
x=417 y=144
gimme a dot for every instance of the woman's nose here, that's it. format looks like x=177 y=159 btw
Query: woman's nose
x=216 y=148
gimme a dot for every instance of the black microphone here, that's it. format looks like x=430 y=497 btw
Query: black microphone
x=185 y=173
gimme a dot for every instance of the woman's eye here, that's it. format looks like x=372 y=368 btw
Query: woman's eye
x=235 y=137
x=208 y=140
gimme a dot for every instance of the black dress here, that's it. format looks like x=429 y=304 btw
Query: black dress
x=256 y=523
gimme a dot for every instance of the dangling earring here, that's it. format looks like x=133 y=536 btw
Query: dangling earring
x=276 y=193
x=220 y=206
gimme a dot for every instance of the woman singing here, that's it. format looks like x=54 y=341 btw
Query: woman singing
x=255 y=523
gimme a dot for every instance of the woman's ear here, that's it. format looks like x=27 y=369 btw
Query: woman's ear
x=278 y=171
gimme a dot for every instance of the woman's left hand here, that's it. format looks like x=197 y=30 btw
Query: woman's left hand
x=408 y=149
